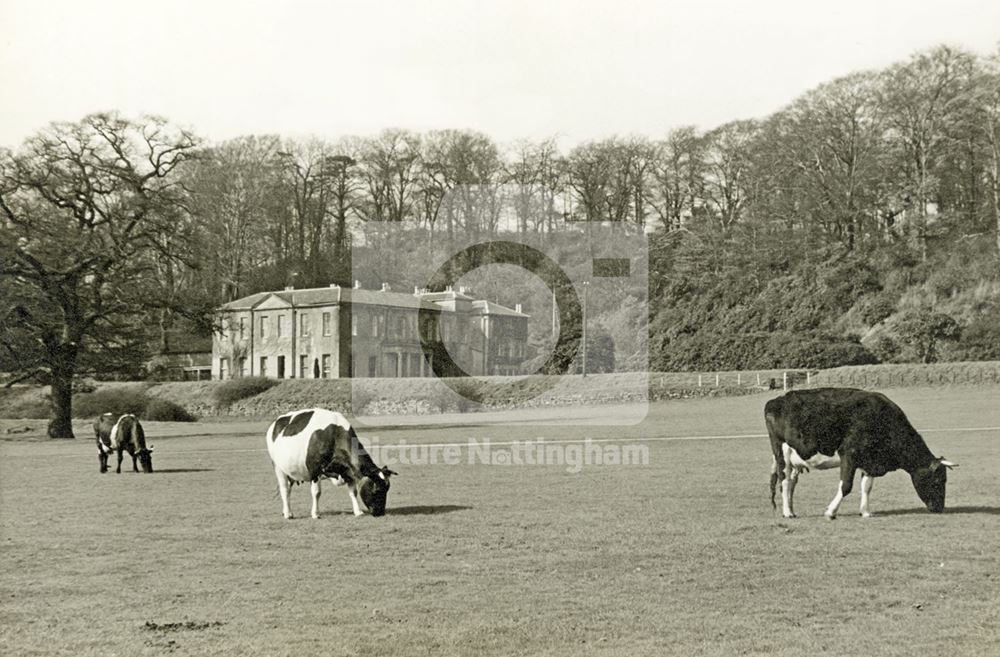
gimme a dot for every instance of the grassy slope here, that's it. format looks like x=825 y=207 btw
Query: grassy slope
x=681 y=557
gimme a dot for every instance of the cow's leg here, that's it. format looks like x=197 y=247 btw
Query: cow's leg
x=315 y=494
x=791 y=479
x=103 y=460
x=283 y=487
x=354 y=501
x=135 y=467
x=788 y=483
x=866 y=489
x=118 y=470
x=846 y=484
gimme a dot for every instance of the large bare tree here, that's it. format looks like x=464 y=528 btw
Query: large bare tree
x=83 y=210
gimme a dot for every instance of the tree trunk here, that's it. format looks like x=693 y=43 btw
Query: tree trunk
x=61 y=423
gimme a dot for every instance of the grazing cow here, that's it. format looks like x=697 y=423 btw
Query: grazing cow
x=122 y=435
x=853 y=429
x=313 y=444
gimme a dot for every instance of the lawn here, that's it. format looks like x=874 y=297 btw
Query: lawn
x=683 y=556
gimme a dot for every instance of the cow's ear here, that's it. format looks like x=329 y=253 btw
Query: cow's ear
x=149 y=449
x=947 y=464
x=387 y=471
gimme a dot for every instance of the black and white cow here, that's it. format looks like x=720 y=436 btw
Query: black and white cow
x=852 y=429
x=122 y=434
x=313 y=444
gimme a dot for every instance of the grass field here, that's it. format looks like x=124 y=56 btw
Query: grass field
x=683 y=556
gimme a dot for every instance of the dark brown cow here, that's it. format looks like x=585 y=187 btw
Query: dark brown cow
x=852 y=429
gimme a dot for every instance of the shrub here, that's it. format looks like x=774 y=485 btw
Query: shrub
x=116 y=400
x=237 y=389
x=469 y=394
x=981 y=339
x=30 y=410
x=876 y=309
x=161 y=410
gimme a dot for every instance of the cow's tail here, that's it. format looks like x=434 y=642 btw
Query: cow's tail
x=771 y=411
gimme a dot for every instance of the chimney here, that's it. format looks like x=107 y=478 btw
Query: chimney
x=416 y=291
x=386 y=288
x=289 y=288
x=448 y=288
x=461 y=289
x=517 y=307
x=357 y=285
x=334 y=286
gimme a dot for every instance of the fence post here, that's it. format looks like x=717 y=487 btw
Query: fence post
x=808 y=377
x=784 y=380
x=758 y=379
x=739 y=379
x=699 y=380
x=716 y=379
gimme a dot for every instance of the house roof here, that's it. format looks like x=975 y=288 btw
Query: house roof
x=490 y=308
x=322 y=296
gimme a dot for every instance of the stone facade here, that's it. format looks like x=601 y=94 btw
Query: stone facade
x=338 y=332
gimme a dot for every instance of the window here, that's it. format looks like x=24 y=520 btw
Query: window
x=303 y=366
x=372 y=366
x=281 y=367
x=326 y=324
x=243 y=366
x=354 y=324
x=326 y=366
x=281 y=326
x=243 y=327
x=415 y=362
x=263 y=366
x=304 y=325
x=391 y=365
x=379 y=320
x=263 y=326
x=223 y=368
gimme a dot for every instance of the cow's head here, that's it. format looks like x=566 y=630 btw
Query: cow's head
x=373 y=490
x=146 y=459
x=929 y=481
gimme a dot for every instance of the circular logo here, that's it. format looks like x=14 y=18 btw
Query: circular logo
x=503 y=253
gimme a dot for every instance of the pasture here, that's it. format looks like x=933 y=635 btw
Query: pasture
x=683 y=556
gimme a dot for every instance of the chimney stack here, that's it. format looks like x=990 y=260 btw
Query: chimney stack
x=357 y=284
x=386 y=288
x=517 y=308
x=289 y=288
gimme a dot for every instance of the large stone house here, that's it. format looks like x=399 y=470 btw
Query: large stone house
x=336 y=332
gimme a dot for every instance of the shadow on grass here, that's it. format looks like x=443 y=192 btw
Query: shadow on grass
x=181 y=470
x=983 y=510
x=425 y=510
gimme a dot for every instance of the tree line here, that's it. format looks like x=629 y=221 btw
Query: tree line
x=115 y=230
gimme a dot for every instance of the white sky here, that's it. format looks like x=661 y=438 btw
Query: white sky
x=510 y=69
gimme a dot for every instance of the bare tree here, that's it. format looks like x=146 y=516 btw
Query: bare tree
x=83 y=206
x=922 y=98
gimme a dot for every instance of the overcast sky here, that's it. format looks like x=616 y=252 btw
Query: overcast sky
x=511 y=69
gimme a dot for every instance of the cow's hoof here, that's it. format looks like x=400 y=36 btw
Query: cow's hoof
x=358 y=514
x=315 y=516
x=866 y=514
x=830 y=516
x=288 y=516
x=789 y=515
